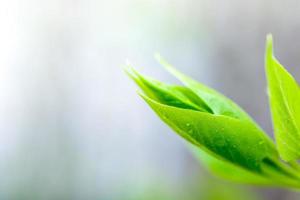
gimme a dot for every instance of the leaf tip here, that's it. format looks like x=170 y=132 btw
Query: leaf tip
x=269 y=45
x=132 y=73
x=269 y=37
x=168 y=66
x=162 y=61
x=128 y=70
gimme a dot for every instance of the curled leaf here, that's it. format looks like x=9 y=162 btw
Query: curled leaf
x=219 y=132
x=237 y=141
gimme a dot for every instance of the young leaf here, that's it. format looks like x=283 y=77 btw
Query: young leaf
x=226 y=143
x=220 y=132
x=229 y=171
x=172 y=95
x=284 y=95
x=220 y=104
x=230 y=139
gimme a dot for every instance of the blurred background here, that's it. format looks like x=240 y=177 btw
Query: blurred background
x=71 y=124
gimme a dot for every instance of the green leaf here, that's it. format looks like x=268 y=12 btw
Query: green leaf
x=227 y=138
x=221 y=134
x=220 y=104
x=229 y=171
x=234 y=149
x=273 y=174
x=284 y=96
x=172 y=95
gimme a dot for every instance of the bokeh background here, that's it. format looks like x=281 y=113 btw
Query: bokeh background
x=71 y=124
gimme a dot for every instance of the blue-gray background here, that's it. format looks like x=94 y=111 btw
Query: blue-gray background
x=71 y=124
